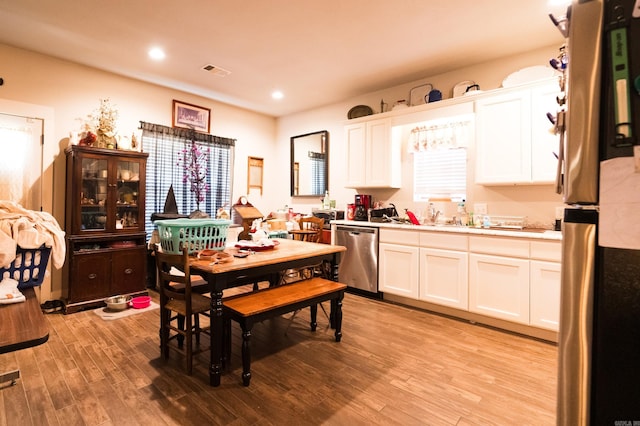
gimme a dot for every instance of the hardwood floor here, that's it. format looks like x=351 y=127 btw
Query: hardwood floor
x=394 y=366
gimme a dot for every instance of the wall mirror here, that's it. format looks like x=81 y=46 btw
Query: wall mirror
x=310 y=164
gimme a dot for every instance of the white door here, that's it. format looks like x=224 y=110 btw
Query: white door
x=544 y=144
x=355 y=139
x=545 y=294
x=21 y=160
x=444 y=278
x=503 y=138
x=398 y=270
x=378 y=155
x=499 y=287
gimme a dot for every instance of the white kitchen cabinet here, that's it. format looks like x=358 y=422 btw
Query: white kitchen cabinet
x=514 y=144
x=503 y=141
x=444 y=278
x=444 y=269
x=545 y=294
x=398 y=269
x=373 y=156
x=499 y=287
x=544 y=284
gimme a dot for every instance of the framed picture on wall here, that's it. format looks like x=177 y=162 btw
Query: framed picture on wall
x=191 y=116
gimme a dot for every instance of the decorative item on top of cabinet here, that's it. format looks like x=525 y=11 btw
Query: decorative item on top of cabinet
x=105 y=217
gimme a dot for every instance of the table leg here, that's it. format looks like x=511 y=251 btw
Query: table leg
x=217 y=338
x=337 y=316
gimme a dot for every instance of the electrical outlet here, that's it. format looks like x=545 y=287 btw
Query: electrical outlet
x=480 y=208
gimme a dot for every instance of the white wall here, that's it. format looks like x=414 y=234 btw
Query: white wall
x=63 y=93
x=537 y=203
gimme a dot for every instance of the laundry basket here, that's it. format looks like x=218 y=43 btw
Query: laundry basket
x=195 y=234
x=29 y=267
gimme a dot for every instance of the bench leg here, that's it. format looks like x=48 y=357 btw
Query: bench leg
x=246 y=354
x=336 y=313
x=314 y=317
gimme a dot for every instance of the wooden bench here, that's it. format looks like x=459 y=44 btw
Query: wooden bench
x=247 y=309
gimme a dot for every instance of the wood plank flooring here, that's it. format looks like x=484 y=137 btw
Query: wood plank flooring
x=394 y=366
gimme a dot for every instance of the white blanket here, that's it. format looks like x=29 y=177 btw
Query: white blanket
x=9 y=292
x=28 y=229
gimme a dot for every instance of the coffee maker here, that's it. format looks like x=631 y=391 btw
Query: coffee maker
x=363 y=204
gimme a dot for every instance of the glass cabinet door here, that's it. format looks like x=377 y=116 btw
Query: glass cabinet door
x=93 y=198
x=127 y=198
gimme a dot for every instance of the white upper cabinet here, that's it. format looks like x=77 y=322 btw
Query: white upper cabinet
x=514 y=144
x=373 y=158
x=503 y=141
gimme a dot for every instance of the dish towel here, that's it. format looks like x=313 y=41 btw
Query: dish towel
x=9 y=292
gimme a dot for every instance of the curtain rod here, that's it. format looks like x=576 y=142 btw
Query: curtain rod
x=186 y=133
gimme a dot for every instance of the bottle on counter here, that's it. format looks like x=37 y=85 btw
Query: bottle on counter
x=463 y=217
x=326 y=201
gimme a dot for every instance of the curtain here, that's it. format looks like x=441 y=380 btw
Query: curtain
x=166 y=147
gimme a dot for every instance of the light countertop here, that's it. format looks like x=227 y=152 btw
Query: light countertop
x=541 y=234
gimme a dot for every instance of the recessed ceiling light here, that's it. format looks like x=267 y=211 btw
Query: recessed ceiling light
x=277 y=94
x=156 y=53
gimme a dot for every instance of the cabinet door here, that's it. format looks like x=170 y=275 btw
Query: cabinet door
x=378 y=160
x=129 y=203
x=128 y=269
x=90 y=276
x=444 y=277
x=545 y=294
x=499 y=287
x=398 y=270
x=355 y=138
x=503 y=138
x=543 y=142
x=93 y=194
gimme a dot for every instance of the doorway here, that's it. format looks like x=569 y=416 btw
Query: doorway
x=21 y=160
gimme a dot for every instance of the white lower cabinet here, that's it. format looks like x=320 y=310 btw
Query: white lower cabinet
x=444 y=278
x=499 y=287
x=512 y=279
x=545 y=294
x=398 y=269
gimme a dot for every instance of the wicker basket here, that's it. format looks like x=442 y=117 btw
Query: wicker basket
x=195 y=234
x=28 y=268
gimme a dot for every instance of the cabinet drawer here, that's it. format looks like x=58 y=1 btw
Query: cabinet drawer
x=499 y=246
x=397 y=236
x=444 y=240
x=545 y=250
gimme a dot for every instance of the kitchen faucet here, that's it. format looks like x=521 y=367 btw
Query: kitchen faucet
x=432 y=214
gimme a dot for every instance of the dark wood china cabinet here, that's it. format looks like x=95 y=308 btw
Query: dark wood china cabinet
x=104 y=223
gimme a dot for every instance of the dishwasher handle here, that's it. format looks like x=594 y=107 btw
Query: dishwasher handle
x=356 y=230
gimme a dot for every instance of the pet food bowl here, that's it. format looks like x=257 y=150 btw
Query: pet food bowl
x=118 y=303
x=141 y=302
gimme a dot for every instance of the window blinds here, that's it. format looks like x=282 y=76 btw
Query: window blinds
x=440 y=174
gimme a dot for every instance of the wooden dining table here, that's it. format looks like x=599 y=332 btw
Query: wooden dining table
x=261 y=265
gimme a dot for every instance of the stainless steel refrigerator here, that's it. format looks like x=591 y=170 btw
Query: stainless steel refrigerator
x=599 y=336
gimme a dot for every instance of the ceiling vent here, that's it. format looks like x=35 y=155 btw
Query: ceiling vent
x=220 y=72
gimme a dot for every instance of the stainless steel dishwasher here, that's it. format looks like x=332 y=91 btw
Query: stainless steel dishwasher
x=358 y=266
